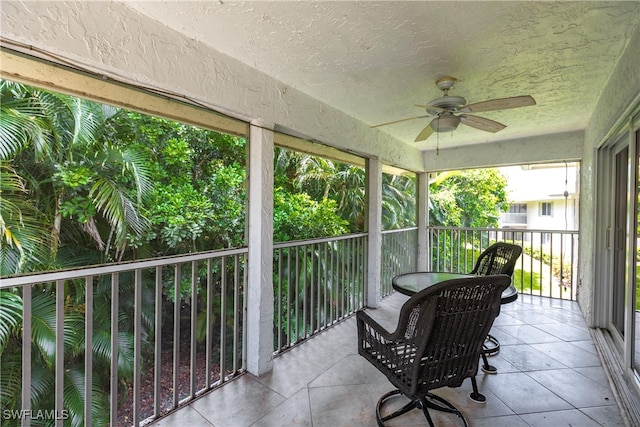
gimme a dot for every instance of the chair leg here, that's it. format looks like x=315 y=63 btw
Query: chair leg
x=430 y=401
x=476 y=396
x=490 y=347
x=489 y=369
x=406 y=408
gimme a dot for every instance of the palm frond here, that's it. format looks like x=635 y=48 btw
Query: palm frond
x=19 y=127
x=117 y=209
x=10 y=316
x=10 y=378
x=43 y=323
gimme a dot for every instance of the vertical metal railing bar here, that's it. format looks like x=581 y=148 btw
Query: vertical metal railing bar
x=115 y=299
x=351 y=270
x=236 y=312
x=223 y=318
x=342 y=279
x=303 y=284
x=280 y=297
x=296 y=306
x=303 y=295
x=339 y=281
x=352 y=275
x=313 y=282
x=454 y=249
x=245 y=274
x=357 y=287
x=357 y=266
x=458 y=251
x=436 y=240
x=88 y=350
x=317 y=294
x=349 y=273
x=318 y=291
x=521 y=263
x=333 y=281
x=356 y=275
x=365 y=261
x=59 y=369
x=322 y=283
x=474 y=253
x=209 y=331
x=288 y=300
x=157 y=356
x=194 y=325
x=531 y=261
x=137 y=344
x=353 y=265
x=26 y=352
x=361 y=281
x=177 y=278
x=541 y=267
x=434 y=253
x=327 y=284
x=574 y=282
x=551 y=264
x=561 y=269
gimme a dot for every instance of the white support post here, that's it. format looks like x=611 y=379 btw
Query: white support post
x=422 y=200
x=259 y=290
x=374 y=228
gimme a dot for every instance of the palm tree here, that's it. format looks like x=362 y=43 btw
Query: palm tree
x=52 y=144
x=61 y=183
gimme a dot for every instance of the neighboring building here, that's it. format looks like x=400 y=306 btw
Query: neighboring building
x=542 y=197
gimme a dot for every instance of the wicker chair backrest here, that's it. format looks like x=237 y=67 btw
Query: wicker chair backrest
x=440 y=334
x=499 y=258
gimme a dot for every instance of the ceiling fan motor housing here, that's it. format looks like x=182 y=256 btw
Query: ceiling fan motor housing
x=445 y=123
x=451 y=103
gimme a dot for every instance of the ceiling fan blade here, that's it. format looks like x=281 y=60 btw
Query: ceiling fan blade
x=429 y=108
x=399 y=121
x=499 y=104
x=481 y=123
x=426 y=133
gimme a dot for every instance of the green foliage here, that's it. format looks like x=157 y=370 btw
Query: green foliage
x=297 y=216
x=398 y=201
x=198 y=201
x=559 y=270
x=468 y=198
x=81 y=208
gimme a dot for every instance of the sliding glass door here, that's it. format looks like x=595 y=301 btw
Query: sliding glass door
x=619 y=254
x=619 y=246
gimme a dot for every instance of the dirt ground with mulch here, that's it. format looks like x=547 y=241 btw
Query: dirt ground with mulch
x=125 y=410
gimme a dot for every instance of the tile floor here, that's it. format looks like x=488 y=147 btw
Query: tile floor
x=549 y=374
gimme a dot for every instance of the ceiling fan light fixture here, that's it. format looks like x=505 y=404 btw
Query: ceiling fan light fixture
x=446 y=123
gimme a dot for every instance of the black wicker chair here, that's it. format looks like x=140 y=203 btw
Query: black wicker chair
x=499 y=258
x=437 y=342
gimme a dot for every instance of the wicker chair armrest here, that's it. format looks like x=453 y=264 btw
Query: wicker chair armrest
x=363 y=319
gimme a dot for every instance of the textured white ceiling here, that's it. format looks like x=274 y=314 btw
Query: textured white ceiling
x=374 y=60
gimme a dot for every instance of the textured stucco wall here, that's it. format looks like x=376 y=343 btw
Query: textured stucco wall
x=620 y=92
x=538 y=149
x=108 y=38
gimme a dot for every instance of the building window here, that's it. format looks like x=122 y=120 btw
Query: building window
x=545 y=209
x=518 y=208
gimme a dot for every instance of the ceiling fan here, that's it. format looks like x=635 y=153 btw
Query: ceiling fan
x=450 y=111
